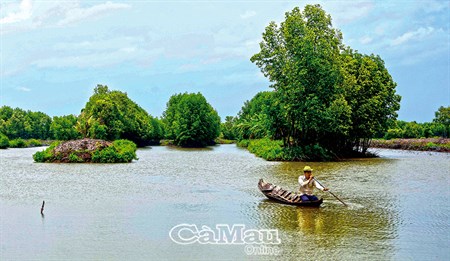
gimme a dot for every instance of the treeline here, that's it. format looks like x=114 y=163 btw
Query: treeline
x=439 y=127
x=189 y=120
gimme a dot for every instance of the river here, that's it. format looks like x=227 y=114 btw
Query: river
x=398 y=206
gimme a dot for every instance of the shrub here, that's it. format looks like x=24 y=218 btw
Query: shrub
x=120 y=151
x=243 y=143
x=267 y=149
x=17 y=143
x=47 y=154
x=4 y=142
x=33 y=143
x=74 y=158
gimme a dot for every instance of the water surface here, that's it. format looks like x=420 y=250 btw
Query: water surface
x=398 y=209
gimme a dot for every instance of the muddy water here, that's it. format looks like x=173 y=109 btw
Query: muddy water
x=398 y=206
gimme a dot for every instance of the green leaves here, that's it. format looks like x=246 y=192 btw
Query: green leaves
x=191 y=121
x=111 y=115
x=17 y=123
x=325 y=95
x=63 y=128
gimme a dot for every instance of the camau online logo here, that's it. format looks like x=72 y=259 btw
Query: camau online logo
x=223 y=234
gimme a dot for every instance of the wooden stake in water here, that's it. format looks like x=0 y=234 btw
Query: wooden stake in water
x=42 y=208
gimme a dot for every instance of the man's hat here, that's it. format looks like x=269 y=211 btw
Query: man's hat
x=307 y=168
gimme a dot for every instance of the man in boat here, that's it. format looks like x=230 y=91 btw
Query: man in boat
x=307 y=184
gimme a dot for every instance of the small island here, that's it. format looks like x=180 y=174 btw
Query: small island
x=88 y=151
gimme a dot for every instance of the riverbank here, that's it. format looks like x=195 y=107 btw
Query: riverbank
x=428 y=144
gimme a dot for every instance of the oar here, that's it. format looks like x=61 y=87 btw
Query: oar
x=332 y=193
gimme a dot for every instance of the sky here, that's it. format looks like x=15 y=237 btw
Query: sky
x=53 y=53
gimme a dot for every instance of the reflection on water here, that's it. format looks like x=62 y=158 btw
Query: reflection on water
x=397 y=210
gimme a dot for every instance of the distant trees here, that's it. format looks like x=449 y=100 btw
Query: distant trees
x=18 y=123
x=190 y=120
x=439 y=127
x=227 y=128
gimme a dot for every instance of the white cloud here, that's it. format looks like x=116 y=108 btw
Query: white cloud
x=344 y=12
x=248 y=14
x=365 y=39
x=24 y=13
x=23 y=89
x=79 y=14
x=417 y=34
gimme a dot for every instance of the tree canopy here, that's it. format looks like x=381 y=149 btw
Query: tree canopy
x=18 y=123
x=327 y=94
x=190 y=120
x=111 y=115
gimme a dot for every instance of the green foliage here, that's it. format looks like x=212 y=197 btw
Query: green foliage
x=243 y=143
x=47 y=154
x=260 y=117
x=33 y=143
x=442 y=119
x=414 y=130
x=111 y=115
x=4 y=141
x=73 y=158
x=274 y=150
x=301 y=58
x=64 y=128
x=370 y=91
x=327 y=99
x=17 y=123
x=191 y=121
x=267 y=149
x=17 y=143
x=228 y=128
x=121 y=151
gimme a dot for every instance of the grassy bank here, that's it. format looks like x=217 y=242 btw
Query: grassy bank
x=273 y=150
x=428 y=144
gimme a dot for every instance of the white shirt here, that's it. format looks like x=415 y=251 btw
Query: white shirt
x=307 y=186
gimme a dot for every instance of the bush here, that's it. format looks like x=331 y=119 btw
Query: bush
x=74 y=158
x=4 y=142
x=243 y=143
x=47 y=154
x=273 y=150
x=33 y=143
x=267 y=149
x=17 y=143
x=120 y=151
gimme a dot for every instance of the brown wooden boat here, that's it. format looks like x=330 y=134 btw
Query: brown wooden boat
x=283 y=196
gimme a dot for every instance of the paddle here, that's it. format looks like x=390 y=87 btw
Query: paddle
x=331 y=193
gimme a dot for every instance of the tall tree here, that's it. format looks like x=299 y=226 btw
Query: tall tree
x=328 y=95
x=370 y=92
x=301 y=59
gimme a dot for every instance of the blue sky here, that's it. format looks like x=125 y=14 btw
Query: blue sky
x=53 y=53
